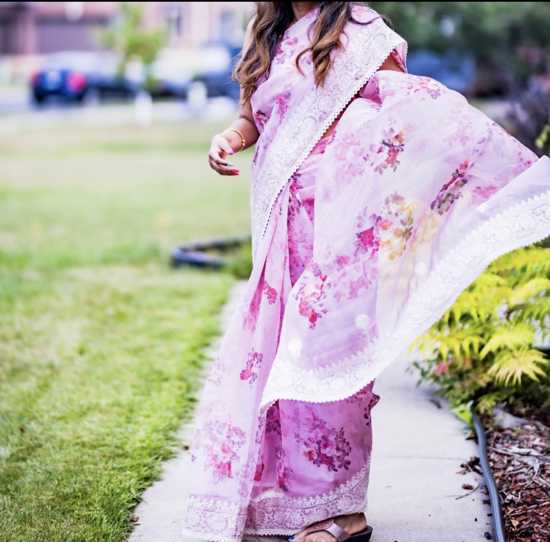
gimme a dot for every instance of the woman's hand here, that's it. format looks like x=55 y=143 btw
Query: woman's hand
x=219 y=149
x=241 y=135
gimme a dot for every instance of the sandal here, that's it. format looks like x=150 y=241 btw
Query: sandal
x=330 y=527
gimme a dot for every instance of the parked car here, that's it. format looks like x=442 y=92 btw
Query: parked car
x=452 y=69
x=462 y=73
x=74 y=75
x=216 y=62
x=170 y=78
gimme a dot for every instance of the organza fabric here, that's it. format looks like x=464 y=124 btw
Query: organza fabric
x=367 y=241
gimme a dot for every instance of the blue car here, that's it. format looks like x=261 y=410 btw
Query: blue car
x=452 y=69
x=216 y=61
x=74 y=76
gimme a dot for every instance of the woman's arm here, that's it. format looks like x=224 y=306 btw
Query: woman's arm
x=229 y=141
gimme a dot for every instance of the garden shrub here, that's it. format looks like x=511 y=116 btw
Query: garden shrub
x=488 y=347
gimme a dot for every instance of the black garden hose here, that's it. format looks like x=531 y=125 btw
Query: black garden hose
x=498 y=520
x=194 y=254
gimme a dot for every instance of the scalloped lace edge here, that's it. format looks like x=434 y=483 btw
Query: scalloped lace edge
x=295 y=509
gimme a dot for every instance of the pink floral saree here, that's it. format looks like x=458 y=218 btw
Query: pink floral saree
x=361 y=242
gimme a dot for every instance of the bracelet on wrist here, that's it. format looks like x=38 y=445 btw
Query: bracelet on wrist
x=243 y=141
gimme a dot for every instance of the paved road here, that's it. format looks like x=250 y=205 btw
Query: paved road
x=18 y=113
x=415 y=492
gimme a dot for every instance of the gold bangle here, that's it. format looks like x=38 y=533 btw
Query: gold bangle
x=243 y=141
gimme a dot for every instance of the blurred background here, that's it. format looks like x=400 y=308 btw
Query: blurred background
x=57 y=55
x=90 y=52
x=106 y=114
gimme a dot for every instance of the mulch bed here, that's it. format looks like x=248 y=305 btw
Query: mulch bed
x=520 y=461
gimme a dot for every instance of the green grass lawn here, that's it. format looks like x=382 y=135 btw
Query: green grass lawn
x=100 y=341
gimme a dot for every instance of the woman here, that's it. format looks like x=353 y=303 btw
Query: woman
x=377 y=197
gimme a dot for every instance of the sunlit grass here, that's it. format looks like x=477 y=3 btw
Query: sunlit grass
x=100 y=341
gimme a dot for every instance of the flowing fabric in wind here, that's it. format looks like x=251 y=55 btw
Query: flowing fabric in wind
x=361 y=242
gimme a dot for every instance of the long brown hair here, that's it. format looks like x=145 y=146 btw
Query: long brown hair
x=272 y=21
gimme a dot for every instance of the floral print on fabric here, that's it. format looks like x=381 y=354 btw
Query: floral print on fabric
x=270 y=293
x=260 y=431
x=373 y=401
x=367 y=400
x=261 y=119
x=451 y=191
x=282 y=106
x=301 y=213
x=311 y=293
x=388 y=232
x=273 y=419
x=396 y=225
x=259 y=471
x=368 y=239
x=427 y=85
x=323 y=445
x=253 y=364
x=395 y=230
x=383 y=156
x=350 y=153
x=286 y=48
x=216 y=373
x=427 y=227
x=219 y=443
x=362 y=277
x=483 y=193
x=284 y=473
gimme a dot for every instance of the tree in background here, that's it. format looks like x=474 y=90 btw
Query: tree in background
x=510 y=42
x=131 y=40
x=514 y=36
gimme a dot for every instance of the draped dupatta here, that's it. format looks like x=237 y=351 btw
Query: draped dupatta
x=418 y=193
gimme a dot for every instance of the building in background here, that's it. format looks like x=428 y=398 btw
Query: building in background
x=193 y=24
x=31 y=30
x=35 y=28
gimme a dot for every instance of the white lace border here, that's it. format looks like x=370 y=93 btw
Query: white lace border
x=272 y=513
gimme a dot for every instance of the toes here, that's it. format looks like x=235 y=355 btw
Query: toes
x=319 y=537
x=300 y=537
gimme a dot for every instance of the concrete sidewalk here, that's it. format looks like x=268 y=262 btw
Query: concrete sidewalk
x=414 y=485
x=418 y=449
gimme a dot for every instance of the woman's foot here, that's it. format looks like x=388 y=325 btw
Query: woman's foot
x=352 y=523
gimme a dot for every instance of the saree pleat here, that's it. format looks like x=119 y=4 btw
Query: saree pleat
x=305 y=461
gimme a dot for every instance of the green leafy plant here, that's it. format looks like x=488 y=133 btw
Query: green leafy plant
x=494 y=33
x=482 y=350
x=132 y=40
x=544 y=139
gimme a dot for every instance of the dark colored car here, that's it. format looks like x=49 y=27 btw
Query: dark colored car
x=452 y=69
x=74 y=76
x=170 y=78
x=216 y=61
